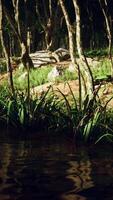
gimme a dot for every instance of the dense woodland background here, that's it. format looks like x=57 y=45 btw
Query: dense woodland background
x=43 y=21
x=27 y=26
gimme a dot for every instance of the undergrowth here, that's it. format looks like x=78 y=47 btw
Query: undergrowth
x=89 y=123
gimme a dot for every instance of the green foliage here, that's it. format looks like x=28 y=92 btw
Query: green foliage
x=103 y=70
x=4 y=92
x=90 y=123
x=37 y=77
x=2 y=113
x=22 y=112
x=66 y=76
x=84 y=121
x=102 y=52
x=3 y=67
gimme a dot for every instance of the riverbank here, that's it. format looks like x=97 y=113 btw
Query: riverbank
x=54 y=106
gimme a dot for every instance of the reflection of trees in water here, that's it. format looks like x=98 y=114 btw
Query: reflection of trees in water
x=80 y=174
x=8 y=155
x=72 y=197
x=5 y=157
x=50 y=169
x=96 y=174
x=103 y=171
x=50 y=165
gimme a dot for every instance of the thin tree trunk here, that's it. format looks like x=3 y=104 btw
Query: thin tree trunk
x=20 y=30
x=6 y=51
x=84 y=64
x=72 y=51
x=50 y=9
x=103 y=4
x=70 y=32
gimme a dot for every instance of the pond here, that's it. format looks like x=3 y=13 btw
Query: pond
x=54 y=169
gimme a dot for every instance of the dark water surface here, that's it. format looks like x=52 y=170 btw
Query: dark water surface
x=53 y=169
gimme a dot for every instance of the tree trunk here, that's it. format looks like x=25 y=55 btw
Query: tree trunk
x=49 y=26
x=20 y=29
x=85 y=69
x=70 y=32
x=6 y=50
x=26 y=60
x=103 y=4
x=72 y=51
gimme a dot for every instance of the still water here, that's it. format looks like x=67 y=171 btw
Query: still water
x=54 y=169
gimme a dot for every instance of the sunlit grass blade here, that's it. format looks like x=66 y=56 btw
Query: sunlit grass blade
x=72 y=94
x=68 y=106
x=107 y=136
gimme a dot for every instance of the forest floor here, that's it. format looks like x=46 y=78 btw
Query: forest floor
x=105 y=91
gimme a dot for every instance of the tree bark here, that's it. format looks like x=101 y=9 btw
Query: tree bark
x=6 y=50
x=20 y=29
x=85 y=69
x=104 y=7
x=70 y=32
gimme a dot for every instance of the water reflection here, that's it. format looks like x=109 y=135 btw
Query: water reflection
x=49 y=169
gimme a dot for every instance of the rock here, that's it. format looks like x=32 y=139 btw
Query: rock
x=93 y=62
x=72 y=67
x=53 y=74
x=40 y=89
x=23 y=76
x=21 y=66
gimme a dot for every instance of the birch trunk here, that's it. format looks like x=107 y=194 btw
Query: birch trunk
x=72 y=51
x=103 y=4
x=85 y=69
x=70 y=32
x=20 y=30
x=6 y=50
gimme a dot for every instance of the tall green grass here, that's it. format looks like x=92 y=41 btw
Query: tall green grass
x=90 y=122
x=66 y=76
x=101 y=52
x=37 y=77
x=103 y=70
x=3 y=67
x=20 y=112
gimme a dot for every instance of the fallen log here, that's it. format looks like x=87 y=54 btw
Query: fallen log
x=41 y=58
